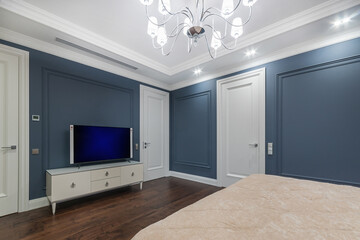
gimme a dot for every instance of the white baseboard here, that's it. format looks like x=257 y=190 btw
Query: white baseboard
x=38 y=203
x=195 y=178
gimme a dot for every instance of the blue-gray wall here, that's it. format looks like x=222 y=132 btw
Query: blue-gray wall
x=63 y=92
x=312 y=117
x=193 y=130
x=312 y=114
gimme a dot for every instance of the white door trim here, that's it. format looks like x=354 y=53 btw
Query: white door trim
x=258 y=72
x=167 y=127
x=23 y=148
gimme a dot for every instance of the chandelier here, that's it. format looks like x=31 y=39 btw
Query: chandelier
x=194 y=22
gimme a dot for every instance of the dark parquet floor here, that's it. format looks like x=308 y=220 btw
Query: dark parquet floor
x=118 y=214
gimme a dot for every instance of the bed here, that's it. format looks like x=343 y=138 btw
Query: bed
x=266 y=207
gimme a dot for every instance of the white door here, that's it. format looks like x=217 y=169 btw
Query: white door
x=154 y=132
x=9 y=81
x=241 y=126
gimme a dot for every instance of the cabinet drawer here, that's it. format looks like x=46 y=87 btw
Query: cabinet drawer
x=105 y=184
x=131 y=174
x=70 y=185
x=105 y=173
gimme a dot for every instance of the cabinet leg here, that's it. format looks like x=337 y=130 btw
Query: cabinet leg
x=53 y=205
x=141 y=185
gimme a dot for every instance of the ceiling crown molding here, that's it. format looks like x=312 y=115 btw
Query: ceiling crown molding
x=39 y=15
x=293 y=50
x=295 y=21
x=318 y=12
x=53 y=49
x=39 y=45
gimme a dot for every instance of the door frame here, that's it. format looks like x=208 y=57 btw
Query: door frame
x=167 y=127
x=23 y=140
x=258 y=72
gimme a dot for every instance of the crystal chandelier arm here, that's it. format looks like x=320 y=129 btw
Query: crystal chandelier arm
x=154 y=44
x=197 y=3
x=214 y=8
x=214 y=32
x=208 y=48
x=227 y=47
x=172 y=34
x=192 y=15
x=202 y=9
x=184 y=12
x=167 y=11
x=165 y=8
x=173 y=44
x=233 y=25
x=221 y=39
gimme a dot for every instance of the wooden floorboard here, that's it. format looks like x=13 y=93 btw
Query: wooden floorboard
x=118 y=214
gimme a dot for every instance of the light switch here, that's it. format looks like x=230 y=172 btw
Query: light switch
x=270 y=148
x=35 y=151
x=35 y=118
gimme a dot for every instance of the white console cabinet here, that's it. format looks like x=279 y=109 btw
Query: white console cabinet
x=68 y=183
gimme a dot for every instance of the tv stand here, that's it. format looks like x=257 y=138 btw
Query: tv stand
x=64 y=184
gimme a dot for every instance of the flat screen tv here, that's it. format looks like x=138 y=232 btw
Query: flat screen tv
x=91 y=144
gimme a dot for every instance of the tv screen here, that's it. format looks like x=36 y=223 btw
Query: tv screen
x=89 y=144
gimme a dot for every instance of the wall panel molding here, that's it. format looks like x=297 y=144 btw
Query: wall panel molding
x=47 y=75
x=207 y=94
x=335 y=181
x=281 y=78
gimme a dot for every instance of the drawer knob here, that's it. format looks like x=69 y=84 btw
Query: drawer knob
x=132 y=174
x=73 y=185
x=107 y=173
x=106 y=184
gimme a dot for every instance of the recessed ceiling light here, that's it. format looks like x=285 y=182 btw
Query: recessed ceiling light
x=250 y=53
x=343 y=21
x=346 y=20
x=197 y=71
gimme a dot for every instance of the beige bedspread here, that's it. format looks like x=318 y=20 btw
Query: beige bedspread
x=266 y=207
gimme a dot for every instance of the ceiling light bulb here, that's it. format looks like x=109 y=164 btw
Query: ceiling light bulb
x=187 y=25
x=346 y=20
x=146 y=2
x=249 y=3
x=237 y=31
x=250 y=53
x=337 y=23
x=161 y=37
x=227 y=8
x=152 y=27
x=215 y=41
x=164 y=7
x=197 y=71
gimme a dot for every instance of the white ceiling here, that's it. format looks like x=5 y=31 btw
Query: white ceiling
x=118 y=29
x=125 y=23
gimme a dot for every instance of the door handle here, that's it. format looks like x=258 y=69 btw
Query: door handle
x=254 y=145
x=146 y=144
x=13 y=147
